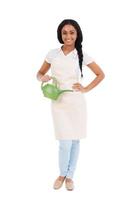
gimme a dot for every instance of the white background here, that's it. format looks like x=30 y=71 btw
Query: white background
x=28 y=149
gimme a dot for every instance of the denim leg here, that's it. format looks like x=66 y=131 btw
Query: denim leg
x=73 y=158
x=64 y=156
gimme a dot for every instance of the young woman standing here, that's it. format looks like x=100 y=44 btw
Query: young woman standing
x=69 y=112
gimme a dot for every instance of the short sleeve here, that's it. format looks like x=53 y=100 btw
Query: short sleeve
x=87 y=59
x=49 y=56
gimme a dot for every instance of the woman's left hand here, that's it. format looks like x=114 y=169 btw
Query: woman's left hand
x=79 y=87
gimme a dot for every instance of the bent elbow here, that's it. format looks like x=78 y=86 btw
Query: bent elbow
x=102 y=75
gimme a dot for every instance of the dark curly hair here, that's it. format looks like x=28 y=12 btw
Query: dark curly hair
x=78 y=41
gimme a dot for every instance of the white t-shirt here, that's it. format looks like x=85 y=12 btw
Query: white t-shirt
x=55 y=52
x=66 y=67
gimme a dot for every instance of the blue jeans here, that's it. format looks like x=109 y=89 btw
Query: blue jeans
x=68 y=156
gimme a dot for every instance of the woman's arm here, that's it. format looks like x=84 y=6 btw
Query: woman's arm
x=42 y=71
x=99 y=77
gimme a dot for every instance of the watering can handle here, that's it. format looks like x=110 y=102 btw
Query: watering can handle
x=54 y=80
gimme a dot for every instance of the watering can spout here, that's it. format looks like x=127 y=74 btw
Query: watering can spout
x=62 y=91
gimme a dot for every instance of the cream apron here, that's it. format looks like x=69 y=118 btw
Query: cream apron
x=69 y=112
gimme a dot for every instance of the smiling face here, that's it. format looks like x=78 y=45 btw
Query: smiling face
x=69 y=35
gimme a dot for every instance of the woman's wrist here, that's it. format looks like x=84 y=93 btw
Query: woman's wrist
x=86 y=89
x=39 y=76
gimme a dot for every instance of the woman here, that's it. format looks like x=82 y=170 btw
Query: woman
x=69 y=112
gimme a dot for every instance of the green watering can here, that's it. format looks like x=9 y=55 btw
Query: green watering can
x=52 y=91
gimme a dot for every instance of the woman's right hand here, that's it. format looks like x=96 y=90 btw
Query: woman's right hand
x=45 y=78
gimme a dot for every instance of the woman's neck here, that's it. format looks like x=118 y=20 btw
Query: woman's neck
x=68 y=48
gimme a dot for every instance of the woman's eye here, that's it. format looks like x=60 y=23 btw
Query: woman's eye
x=71 y=33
